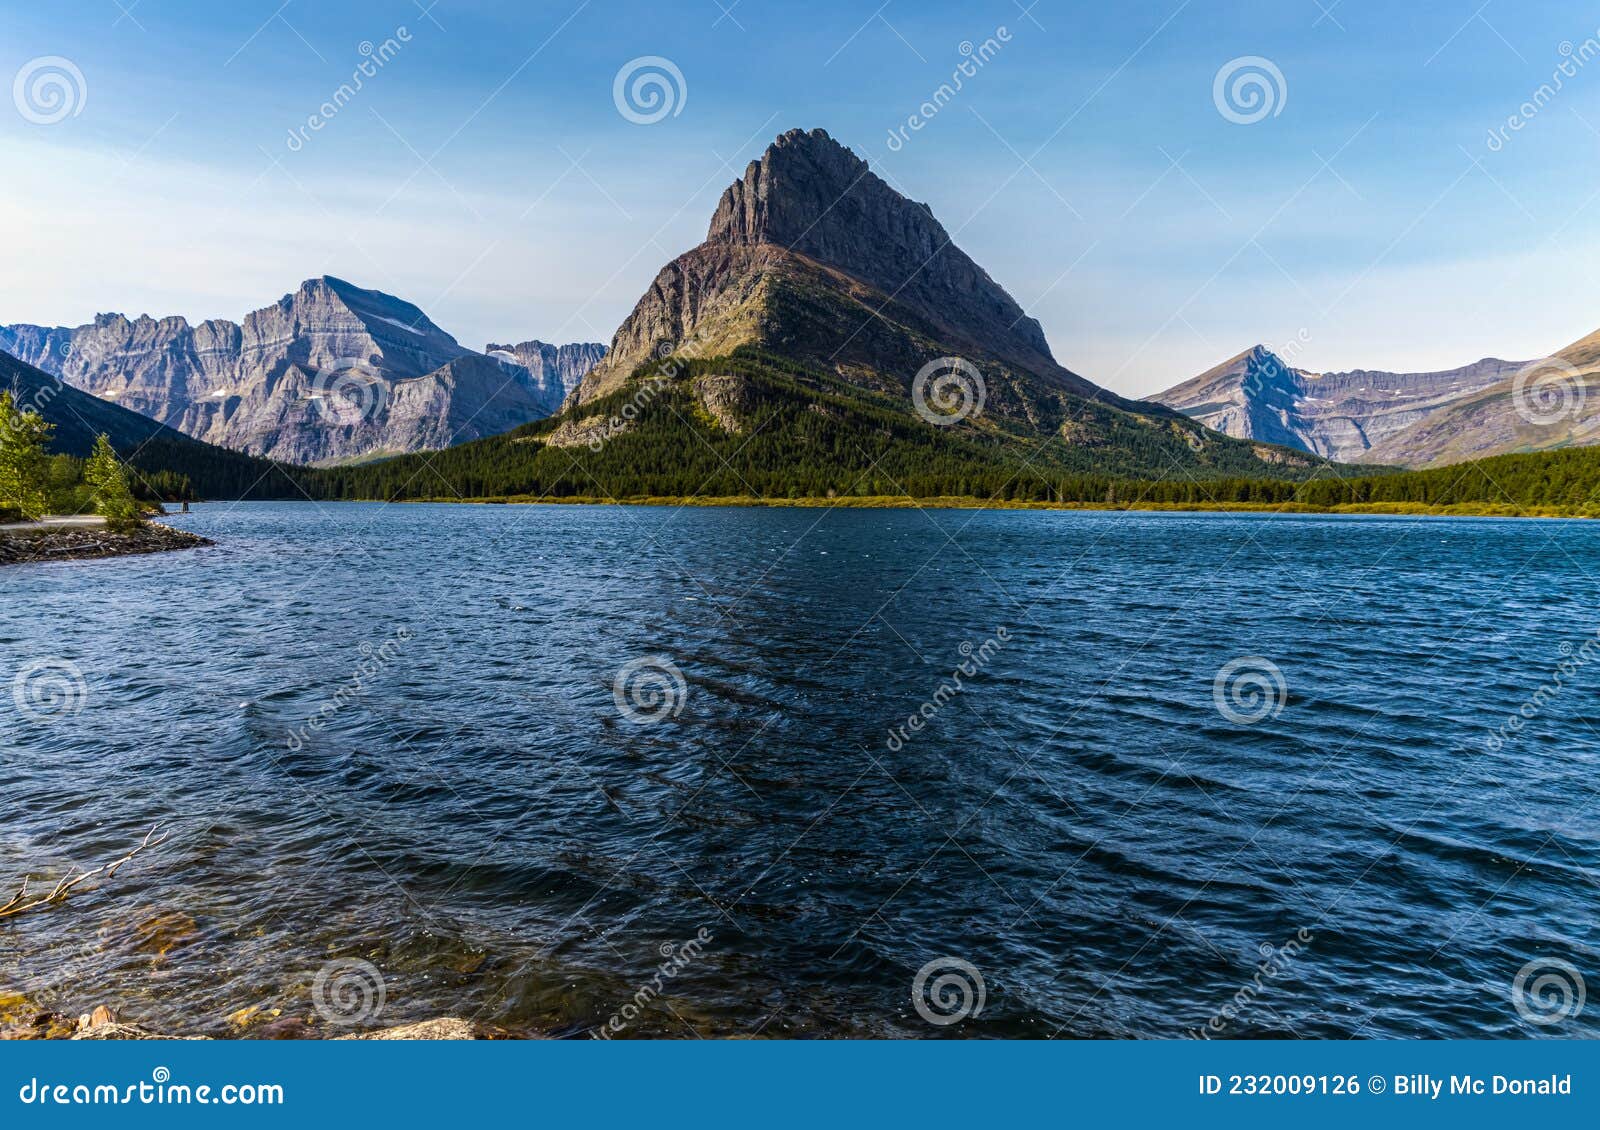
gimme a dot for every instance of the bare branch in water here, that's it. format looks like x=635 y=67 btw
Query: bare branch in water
x=21 y=902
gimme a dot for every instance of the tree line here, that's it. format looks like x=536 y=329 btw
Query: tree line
x=34 y=483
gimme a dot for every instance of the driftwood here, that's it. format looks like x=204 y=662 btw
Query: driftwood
x=21 y=902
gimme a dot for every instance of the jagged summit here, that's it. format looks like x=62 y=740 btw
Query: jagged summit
x=786 y=190
x=809 y=194
x=1258 y=361
x=553 y=371
x=1363 y=415
x=826 y=338
x=329 y=372
x=326 y=304
x=803 y=253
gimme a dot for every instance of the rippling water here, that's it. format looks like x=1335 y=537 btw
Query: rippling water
x=393 y=734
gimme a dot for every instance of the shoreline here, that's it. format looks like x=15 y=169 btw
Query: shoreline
x=44 y=543
x=105 y=1024
x=959 y=502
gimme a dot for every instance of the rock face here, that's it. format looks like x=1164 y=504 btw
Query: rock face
x=809 y=216
x=826 y=316
x=77 y=418
x=553 y=370
x=1362 y=416
x=329 y=373
x=813 y=196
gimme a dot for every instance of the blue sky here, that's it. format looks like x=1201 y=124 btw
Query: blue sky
x=485 y=172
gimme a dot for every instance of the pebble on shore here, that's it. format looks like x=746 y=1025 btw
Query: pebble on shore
x=104 y=1024
x=18 y=547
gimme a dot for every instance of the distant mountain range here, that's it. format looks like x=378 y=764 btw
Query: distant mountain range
x=828 y=337
x=554 y=370
x=813 y=260
x=330 y=373
x=158 y=454
x=1490 y=407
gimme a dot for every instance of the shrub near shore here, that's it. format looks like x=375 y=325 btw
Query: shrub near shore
x=34 y=483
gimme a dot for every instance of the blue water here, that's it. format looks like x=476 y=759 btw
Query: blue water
x=1112 y=852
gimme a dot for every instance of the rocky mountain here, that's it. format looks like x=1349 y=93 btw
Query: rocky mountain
x=553 y=370
x=1490 y=407
x=827 y=338
x=1540 y=406
x=329 y=373
x=1361 y=416
x=812 y=255
x=149 y=447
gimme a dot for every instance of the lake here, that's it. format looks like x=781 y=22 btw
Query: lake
x=1103 y=774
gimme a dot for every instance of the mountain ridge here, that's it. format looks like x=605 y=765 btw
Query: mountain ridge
x=554 y=370
x=1358 y=415
x=808 y=206
x=164 y=457
x=757 y=369
x=330 y=372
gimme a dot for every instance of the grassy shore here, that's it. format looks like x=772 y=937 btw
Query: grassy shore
x=894 y=502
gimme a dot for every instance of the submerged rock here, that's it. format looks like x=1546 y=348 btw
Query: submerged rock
x=119 y=1031
x=100 y=1015
x=446 y=1028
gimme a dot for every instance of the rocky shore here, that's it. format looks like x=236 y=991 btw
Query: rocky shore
x=104 y=1024
x=26 y=545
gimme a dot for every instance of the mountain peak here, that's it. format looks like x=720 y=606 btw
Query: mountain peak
x=787 y=190
x=792 y=190
x=812 y=196
x=1259 y=360
x=324 y=284
x=1257 y=352
x=326 y=296
x=320 y=285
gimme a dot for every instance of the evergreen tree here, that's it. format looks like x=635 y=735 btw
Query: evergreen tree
x=24 y=465
x=106 y=478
